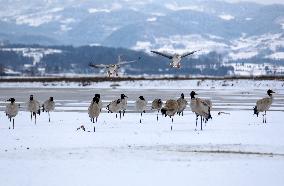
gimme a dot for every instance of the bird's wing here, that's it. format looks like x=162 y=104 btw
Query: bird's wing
x=98 y=65
x=163 y=54
x=126 y=62
x=188 y=53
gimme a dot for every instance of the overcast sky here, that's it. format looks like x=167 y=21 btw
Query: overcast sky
x=260 y=1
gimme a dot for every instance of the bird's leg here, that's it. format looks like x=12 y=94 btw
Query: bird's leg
x=31 y=116
x=116 y=115
x=123 y=113
x=48 y=117
x=265 y=117
x=262 y=118
x=13 y=123
x=182 y=113
x=201 y=122
x=35 y=118
x=94 y=129
x=120 y=114
x=158 y=116
x=96 y=119
x=196 y=121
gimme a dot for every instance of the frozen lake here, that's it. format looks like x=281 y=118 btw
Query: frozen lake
x=234 y=149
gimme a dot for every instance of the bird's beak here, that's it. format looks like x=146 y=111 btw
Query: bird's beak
x=273 y=92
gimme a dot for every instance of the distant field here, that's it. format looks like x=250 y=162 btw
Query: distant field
x=132 y=78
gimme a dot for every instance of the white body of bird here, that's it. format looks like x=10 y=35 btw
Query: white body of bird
x=115 y=107
x=141 y=105
x=33 y=106
x=157 y=104
x=12 y=110
x=94 y=110
x=200 y=107
x=48 y=106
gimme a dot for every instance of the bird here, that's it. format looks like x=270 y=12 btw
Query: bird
x=182 y=103
x=48 y=106
x=175 y=58
x=170 y=109
x=264 y=104
x=115 y=107
x=157 y=105
x=112 y=69
x=33 y=107
x=94 y=110
x=100 y=101
x=141 y=105
x=123 y=99
x=12 y=110
x=200 y=108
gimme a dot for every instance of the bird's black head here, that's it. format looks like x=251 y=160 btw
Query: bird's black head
x=141 y=97
x=182 y=95
x=98 y=96
x=31 y=97
x=12 y=100
x=96 y=100
x=270 y=92
x=159 y=101
x=123 y=96
x=192 y=94
x=118 y=101
x=51 y=99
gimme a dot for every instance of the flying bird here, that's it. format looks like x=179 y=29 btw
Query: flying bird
x=112 y=69
x=175 y=58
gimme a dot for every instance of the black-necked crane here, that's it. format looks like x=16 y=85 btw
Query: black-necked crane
x=141 y=105
x=94 y=110
x=264 y=104
x=12 y=110
x=157 y=105
x=33 y=107
x=200 y=107
x=182 y=103
x=48 y=106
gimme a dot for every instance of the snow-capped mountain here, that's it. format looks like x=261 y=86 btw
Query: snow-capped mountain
x=237 y=30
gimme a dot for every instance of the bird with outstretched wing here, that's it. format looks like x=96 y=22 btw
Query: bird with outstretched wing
x=162 y=54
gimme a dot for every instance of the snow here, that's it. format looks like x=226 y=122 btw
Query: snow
x=277 y=55
x=152 y=19
x=142 y=45
x=35 y=53
x=243 y=55
x=175 y=7
x=226 y=17
x=235 y=149
x=113 y=7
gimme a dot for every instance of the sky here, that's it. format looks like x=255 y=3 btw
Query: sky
x=260 y=1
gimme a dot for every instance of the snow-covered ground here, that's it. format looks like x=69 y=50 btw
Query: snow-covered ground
x=233 y=149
